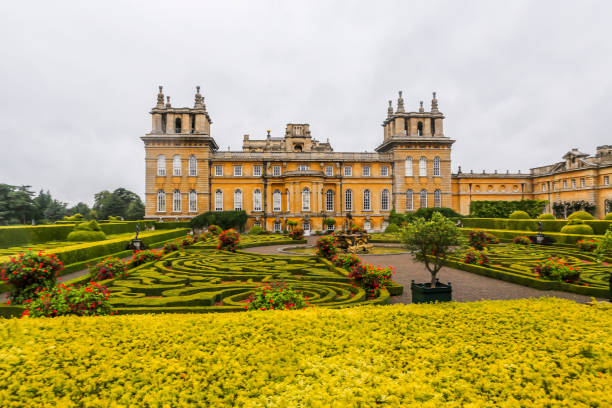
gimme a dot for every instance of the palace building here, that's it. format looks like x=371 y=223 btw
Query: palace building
x=299 y=178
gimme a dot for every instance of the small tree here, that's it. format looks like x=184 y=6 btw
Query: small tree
x=604 y=246
x=430 y=242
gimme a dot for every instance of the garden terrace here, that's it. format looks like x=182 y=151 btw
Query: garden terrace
x=248 y=241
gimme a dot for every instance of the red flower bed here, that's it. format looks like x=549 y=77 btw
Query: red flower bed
x=62 y=300
x=30 y=271
x=372 y=278
x=228 y=240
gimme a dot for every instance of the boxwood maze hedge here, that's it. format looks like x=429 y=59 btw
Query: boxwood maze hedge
x=208 y=280
x=248 y=241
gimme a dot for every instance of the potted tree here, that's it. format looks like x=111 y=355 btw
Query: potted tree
x=430 y=242
x=327 y=222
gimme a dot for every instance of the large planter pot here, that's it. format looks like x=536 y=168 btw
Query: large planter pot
x=424 y=293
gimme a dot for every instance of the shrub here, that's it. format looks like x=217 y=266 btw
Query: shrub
x=62 y=300
x=291 y=224
x=108 y=268
x=604 y=246
x=353 y=229
x=428 y=212
x=170 y=247
x=521 y=240
x=586 y=245
x=519 y=215
x=546 y=216
x=86 y=236
x=276 y=296
x=502 y=209
x=473 y=256
x=296 y=234
x=228 y=240
x=88 y=226
x=75 y=217
x=326 y=247
x=479 y=240
x=372 y=278
x=29 y=272
x=225 y=219
x=215 y=229
x=577 y=226
x=608 y=216
x=141 y=257
x=581 y=215
x=187 y=241
x=557 y=269
x=111 y=218
x=346 y=261
x=392 y=228
x=329 y=221
x=256 y=230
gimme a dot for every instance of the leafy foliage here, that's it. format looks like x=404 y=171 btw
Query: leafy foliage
x=479 y=240
x=228 y=240
x=586 y=245
x=276 y=296
x=296 y=234
x=346 y=261
x=256 y=230
x=392 y=228
x=224 y=219
x=121 y=202
x=546 y=216
x=604 y=246
x=502 y=209
x=373 y=278
x=140 y=257
x=521 y=240
x=429 y=211
x=29 y=272
x=89 y=300
x=581 y=215
x=108 y=268
x=326 y=247
x=519 y=215
x=473 y=256
x=557 y=269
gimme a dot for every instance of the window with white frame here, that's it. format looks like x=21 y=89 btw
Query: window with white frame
x=348 y=200
x=606 y=180
x=218 y=170
x=193 y=201
x=437 y=198
x=329 y=200
x=423 y=167
x=330 y=227
x=543 y=186
x=436 y=167
x=348 y=171
x=573 y=183
x=367 y=225
x=306 y=226
x=303 y=167
x=161 y=201
x=276 y=200
x=257 y=200
x=423 y=199
x=161 y=165
x=329 y=171
x=276 y=170
x=384 y=200
x=564 y=183
x=218 y=200
x=176 y=201
x=257 y=170
x=277 y=226
x=365 y=172
x=409 y=200
x=238 y=170
x=384 y=171
x=408 y=166
x=176 y=165
x=306 y=199
x=367 y=200
x=238 y=199
x=582 y=182
x=288 y=208
x=193 y=166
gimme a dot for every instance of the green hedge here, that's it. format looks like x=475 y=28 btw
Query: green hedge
x=508 y=235
x=224 y=219
x=172 y=225
x=599 y=226
x=502 y=209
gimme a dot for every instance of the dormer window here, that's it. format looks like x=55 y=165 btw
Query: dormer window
x=177 y=125
x=420 y=128
x=297 y=148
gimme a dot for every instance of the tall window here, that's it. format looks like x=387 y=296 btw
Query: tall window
x=564 y=183
x=303 y=167
x=606 y=180
x=384 y=200
x=257 y=200
x=366 y=171
x=348 y=171
x=329 y=200
x=218 y=200
x=409 y=200
x=288 y=208
x=348 y=200
x=161 y=201
x=573 y=183
x=329 y=171
x=161 y=165
x=257 y=170
x=276 y=200
x=218 y=170
x=276 y=170
x=423 y=167
x=177 y=125
x=237 y=170
x=420 y=128
x=176 y=201
x=423 y=199
x=437 y=198
x=176 y=165
x=582 y=182
x=384 y=171
x=238 y=199
x=408 y=166
x=436 y=166
x=193 y=166
x=367 y=202
x=306 y=199
x=193 y=201
x=543 y=186
x=277 y=226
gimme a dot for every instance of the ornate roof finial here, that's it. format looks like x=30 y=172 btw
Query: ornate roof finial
x=400 y=103
x=168 y=102
x=199 y=100
x=390 y=109
x=421 y=110
x=160 y=98
x=434 y=103
x=268 y=135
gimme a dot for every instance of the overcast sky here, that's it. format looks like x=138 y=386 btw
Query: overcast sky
x=520 y=83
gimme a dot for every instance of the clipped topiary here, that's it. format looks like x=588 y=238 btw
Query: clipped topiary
x=392 y=228
x=256 y=230
x=546 y=216
x=519 y=215
x=608 y=216
x=214 y=229
x=86 y=236
x=577 y=226
x=88 y=226
x=581 y=215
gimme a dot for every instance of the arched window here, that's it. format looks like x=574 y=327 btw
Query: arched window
x=409 y=166
x=238 y=199
x=161 y=165
x=177 y=125
x=276 y=200
x=423 y=167
x=161 y=201
x=423 y=199
x=176 y=201
x=193 y=166
x=348 y=200
x=257 y=200
x=436 y=166
x=306 y=199
x=329 y=200
x=437 y=198
x=420 y=128
x=288 y=208
x=218 y=200
x=193 y=201
x=367 y=202
x=409 y=200
x=176 y=165
x=384 y=200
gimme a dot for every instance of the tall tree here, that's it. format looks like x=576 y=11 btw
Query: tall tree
x=42 y=201
x=80 y=208
x=118 y=203
x=135 y=211
x=55 y=211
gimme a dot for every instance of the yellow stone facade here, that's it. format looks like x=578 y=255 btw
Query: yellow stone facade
x=298 y=178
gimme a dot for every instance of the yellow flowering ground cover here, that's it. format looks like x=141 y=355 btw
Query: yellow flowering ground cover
x=521 y=353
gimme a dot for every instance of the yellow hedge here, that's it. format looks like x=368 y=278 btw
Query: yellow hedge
x=525 y=353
